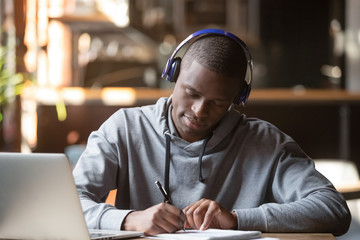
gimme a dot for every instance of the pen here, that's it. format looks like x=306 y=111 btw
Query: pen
x=163 y=192
x=165 y=195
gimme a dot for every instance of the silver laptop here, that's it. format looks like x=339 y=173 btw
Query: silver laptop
x=38 y=200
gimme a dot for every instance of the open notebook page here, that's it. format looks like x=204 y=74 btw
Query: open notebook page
x=209 y=234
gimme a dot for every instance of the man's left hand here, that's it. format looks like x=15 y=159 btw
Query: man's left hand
x=206 y=214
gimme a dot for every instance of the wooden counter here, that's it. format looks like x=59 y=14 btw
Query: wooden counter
x=134 y=96
x=300 y=236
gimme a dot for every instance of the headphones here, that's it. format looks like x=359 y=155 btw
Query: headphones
x=172 y=68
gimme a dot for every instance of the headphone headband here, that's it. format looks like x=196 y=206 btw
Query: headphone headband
x=172 y=67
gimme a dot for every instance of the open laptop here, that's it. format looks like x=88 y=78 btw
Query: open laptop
x=38 y=200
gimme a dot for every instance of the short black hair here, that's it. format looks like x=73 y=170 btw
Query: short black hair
x=219 y=54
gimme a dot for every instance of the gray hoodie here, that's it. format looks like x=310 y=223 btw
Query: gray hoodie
x=248 y=166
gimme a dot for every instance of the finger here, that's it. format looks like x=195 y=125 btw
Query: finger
x=173 y=218
x=189 y=219
x=199 y=213
x=166 y=226
x=193 y=206
x=189 y=213
x=212 y=211
x=177 y=212
x=161 y=219
x=176 y=216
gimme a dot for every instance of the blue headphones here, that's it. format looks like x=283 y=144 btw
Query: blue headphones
x=172 y=68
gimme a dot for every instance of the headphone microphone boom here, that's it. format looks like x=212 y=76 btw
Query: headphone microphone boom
x=172 y=68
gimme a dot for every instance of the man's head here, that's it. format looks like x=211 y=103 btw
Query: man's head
x=219 y=54
x=212 y=73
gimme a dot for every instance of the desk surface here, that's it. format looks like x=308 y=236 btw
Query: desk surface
x=292 y=236
x=300 y=236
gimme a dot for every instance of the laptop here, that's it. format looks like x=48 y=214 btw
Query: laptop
x=38 y=200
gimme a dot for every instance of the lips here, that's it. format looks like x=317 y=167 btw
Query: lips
x=191 y=122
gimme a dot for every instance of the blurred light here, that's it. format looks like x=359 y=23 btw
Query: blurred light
x=335 y=25
x=353 y=49
x=118 y=96
x=29 y=123
x=116 y=10
x=74 y=95
x=56 y=7
x=59 y=50
x=84 y=43
x=42 y=22
x=47 y=96
x=95 y=47
x=30 y=36
x=72 y=137
x=30 y=60
x=112 y=48
x=55 y=53
x=339 y=37
x=165 y=48
x=42 y=71
x=150 y=77
x=127 y=51
x=336 y=72
x=331 y=71
x=299 y=89
x=96 y=44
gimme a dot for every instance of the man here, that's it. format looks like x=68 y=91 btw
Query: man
x=220 y=168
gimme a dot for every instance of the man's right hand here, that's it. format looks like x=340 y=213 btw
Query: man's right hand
x=161 y=218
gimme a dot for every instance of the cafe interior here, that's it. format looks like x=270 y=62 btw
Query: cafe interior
x=67 y=65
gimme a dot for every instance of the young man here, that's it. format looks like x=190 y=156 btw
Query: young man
x=220 y=168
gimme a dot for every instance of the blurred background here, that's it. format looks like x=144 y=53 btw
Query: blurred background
x=67 y=65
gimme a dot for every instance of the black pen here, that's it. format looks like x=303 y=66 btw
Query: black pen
x=165 y=195
x=163 y=192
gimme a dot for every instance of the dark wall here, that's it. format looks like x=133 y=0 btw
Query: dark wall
x=296 y=41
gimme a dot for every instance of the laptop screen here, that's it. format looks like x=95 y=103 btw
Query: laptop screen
x=38 y=198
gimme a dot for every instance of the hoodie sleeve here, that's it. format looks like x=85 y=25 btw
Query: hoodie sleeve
x=301 y=199
x=95 y=174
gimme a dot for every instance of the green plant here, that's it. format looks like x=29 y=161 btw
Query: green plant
x=11 y=83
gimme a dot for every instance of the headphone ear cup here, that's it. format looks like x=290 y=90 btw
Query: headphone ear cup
x=174 y=70
x=243 y=95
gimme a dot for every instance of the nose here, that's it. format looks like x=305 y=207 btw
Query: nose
x=200 y=108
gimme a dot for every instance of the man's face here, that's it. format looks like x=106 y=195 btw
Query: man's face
x=200 y=100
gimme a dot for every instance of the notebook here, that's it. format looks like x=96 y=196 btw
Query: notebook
x=209 y=234
x=38 y=200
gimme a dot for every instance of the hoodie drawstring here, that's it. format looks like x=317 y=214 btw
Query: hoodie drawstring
x=167 y=161
x=201 y=179
x=167 y=164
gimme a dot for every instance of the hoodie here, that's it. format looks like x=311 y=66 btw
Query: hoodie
x=247 y=165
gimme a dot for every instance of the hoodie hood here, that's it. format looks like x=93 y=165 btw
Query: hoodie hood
x=167 y=129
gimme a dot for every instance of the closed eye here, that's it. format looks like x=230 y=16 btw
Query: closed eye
x=192 y=94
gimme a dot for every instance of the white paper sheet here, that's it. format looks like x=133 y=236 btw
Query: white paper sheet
x=209 y=234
